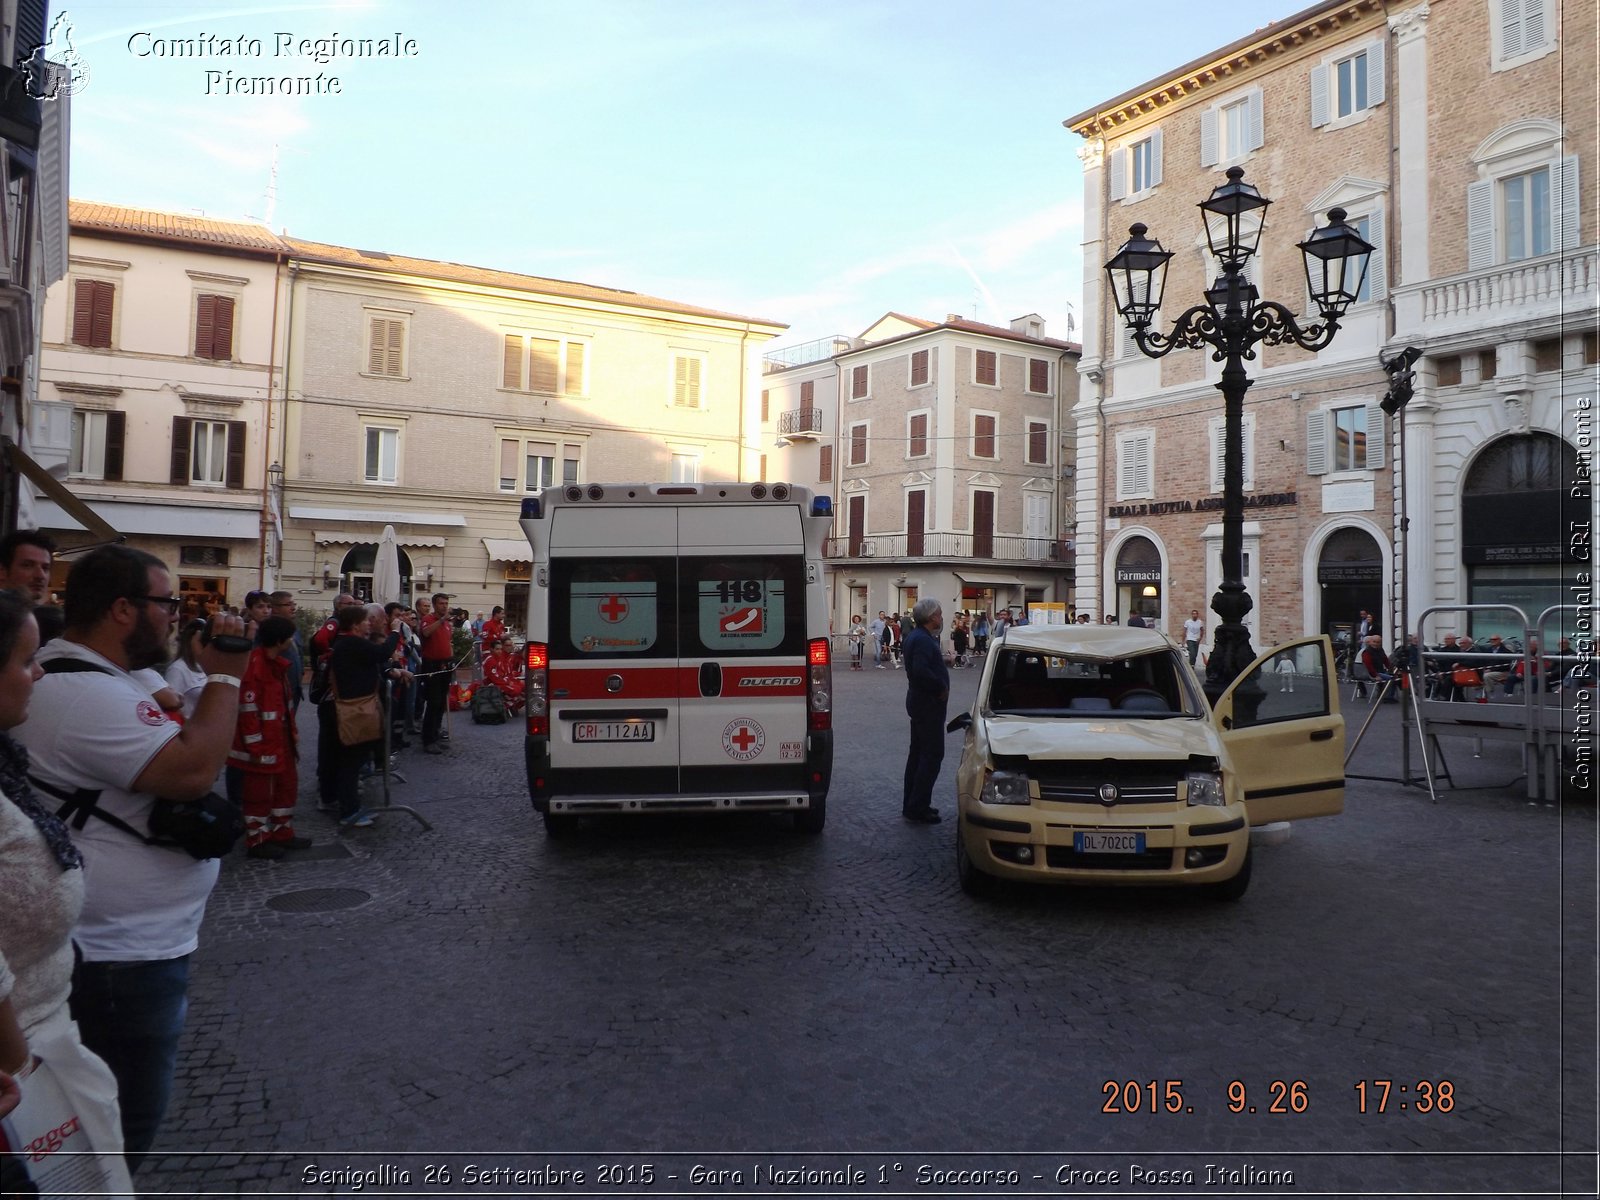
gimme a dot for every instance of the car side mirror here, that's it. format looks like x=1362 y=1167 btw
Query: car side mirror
x=959 y=721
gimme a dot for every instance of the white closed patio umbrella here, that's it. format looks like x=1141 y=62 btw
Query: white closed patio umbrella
x=386 y=569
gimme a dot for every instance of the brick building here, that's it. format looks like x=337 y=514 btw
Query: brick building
x=945 y=446
x=1453 y=135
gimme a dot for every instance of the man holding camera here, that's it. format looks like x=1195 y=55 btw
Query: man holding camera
x=93 y=728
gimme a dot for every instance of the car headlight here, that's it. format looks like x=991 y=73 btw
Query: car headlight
x=1005 y=787
x=1205 y=787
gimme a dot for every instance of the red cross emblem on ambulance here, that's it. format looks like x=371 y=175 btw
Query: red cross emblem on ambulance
x=613 y=609
x=743 y=739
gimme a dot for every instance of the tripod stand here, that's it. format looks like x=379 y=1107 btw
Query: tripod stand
x=1407 y=685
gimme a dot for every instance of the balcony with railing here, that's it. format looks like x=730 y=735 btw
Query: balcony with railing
x=1538 y=288
x=989 y=547
x=801 y=424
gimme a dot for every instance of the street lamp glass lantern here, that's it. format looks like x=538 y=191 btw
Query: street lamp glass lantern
x=1336 y=264
x=1138 y=275
x=1235 y=215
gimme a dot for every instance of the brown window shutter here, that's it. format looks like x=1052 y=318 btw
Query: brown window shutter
x=222 y=336
x=858 y=382
x=205 y=321
x=574 y=381
x=919 y=368
x=235 y=473
x=983 y=437
x=116 y=437
x=1038 y=375
x=91 y=313
x=763 y=468
x=182 y=443
x=916 y=522
x=1038 y=442
x=858 y=445
x=856 y=522
x=986 y=366
x=808 y=393
x=511 y=363
x=766 y=405
x=983 y=524
x=377 y=333
x=544 y=364
x=919 y=435
x=392 y=355
x=825 y=465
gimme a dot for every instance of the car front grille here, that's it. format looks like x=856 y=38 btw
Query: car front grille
x=1062 y=857
x=1136 y=782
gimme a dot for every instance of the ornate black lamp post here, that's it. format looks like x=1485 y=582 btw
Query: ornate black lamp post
x=1232 y=321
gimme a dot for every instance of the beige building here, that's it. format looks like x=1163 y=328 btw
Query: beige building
x=161 y=356
x=35 y=125
x=944 y=446
x=1453 y=134
x=434 y=397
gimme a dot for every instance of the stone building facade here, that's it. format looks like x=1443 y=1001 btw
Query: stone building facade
x=1450 y=133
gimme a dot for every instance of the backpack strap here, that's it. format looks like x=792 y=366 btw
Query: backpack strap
x=79 y=804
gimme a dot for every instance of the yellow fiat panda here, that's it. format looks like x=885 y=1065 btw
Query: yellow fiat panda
x=1092 y=757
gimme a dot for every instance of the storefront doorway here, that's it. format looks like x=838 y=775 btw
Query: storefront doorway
x=1139 y=581
x=1350 y=577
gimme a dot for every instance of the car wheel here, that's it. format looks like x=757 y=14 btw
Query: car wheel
x=811 y=820
x=1235 y=888
x=559 y=825
x=973 y=881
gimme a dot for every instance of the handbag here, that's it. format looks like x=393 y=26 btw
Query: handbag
x=1466 y=677
x=359 y=720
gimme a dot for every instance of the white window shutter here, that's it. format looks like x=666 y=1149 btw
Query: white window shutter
x=1219 y=444
x=1208 y=138
x=1256 y=119
x=1155 y=157
x=1125 y=470
x=1564 y=203
x=1317 y=443
x=1510 y=28
x=1377 y=265
x=1247 y=455
x=1480 y=224
x=1533 y=35
x=1376 y=74
x=1142 y=464
x=1117 y=165
x=1377 y=444
x=1319 y=96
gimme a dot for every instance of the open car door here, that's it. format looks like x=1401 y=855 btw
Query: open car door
x=1283 y=729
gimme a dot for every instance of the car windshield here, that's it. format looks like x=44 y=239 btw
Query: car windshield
x=1149 y=686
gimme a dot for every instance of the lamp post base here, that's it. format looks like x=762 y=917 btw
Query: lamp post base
x=1231 y=651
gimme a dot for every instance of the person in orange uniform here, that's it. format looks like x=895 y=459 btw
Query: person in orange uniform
x=264 y=750
x=503 y=669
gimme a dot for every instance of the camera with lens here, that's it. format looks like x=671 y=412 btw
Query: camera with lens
x=229 y=643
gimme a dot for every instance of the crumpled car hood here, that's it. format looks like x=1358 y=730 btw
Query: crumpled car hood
x=1090 y=738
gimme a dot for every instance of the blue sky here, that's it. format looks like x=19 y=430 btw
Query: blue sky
x=812 y=163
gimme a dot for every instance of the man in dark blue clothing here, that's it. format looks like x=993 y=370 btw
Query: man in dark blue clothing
x=927 y=693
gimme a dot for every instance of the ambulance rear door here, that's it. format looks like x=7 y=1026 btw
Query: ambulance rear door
x=614 y=709
x=742 y=650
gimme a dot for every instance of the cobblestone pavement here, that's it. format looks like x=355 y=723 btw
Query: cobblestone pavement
x=701 y=986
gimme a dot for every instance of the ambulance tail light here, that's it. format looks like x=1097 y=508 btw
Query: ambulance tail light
x=819 y=687
x=536 y=685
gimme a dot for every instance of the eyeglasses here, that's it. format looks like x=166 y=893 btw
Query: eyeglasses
x=173 y=603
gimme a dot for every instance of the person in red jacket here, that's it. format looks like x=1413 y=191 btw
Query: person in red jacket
x=493 y=630
x=438 y=669
x=264 y=748
x=322 y=639
x=503 y=669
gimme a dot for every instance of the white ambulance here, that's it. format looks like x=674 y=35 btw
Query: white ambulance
x=678 y=655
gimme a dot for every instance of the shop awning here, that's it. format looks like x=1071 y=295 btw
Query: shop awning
x=375 y=516
x=989 y=580
x=357 y=537
x=166 y=520
x=511 y=550
x=70 y=505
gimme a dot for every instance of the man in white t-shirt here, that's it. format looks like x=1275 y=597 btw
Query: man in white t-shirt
x=100 y=729
x=1194 y=632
